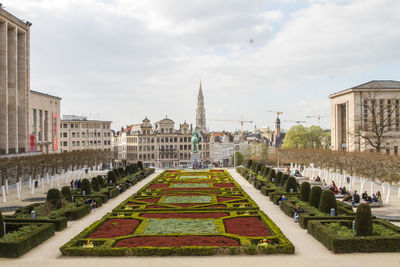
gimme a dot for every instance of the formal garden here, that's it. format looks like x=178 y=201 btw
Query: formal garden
x=33 y=224
x=328 y=220
x=183 y=213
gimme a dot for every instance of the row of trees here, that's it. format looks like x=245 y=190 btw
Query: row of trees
x=307 y=137
x=375 y=166
x=37 y=166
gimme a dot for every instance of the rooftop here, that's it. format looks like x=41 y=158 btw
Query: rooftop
x=372 y=85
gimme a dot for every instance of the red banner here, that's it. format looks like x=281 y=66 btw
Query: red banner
x=32 y=142
x=55 y=132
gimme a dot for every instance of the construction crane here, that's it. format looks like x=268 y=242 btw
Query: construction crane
x=298 y=122
x=241 y=123
x=277 y=112
x=319 y=117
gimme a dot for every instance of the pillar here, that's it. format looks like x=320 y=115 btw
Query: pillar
x=3 y=90
x=12 y=90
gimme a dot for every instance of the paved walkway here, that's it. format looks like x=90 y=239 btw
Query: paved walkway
x=309 y=252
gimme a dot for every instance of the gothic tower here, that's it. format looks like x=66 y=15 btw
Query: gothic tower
x=201 y=113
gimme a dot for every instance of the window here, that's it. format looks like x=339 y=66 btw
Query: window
x=396 y=150
x=46 y=125
x=65 y=135
x=73 y=134
x=389 y=111
x=73 y=143
x=72 y=125
x=83 y=134
x=65 y=125
x=77 y=143
x=65 y=143
x=397 y=114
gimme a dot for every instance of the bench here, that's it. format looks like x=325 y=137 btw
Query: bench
x=371 y=204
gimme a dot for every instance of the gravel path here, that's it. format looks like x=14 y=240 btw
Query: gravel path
x=309 y=252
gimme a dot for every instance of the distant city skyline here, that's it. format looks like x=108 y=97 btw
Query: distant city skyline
x=125 y=60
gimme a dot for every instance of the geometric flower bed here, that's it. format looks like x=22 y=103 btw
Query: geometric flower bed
x=183 y=213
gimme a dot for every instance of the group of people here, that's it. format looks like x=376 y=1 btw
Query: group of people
x=91 y=202
x=355 y=198
x=75 y=184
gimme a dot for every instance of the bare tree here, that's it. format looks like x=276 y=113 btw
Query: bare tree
x=379 y=117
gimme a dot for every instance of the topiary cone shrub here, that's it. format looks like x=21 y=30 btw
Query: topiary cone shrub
x=134 y=167
x=249 y=163
x=363 y=220
x=53 y=198
x=101 y=181
x=271 y=175
x=128 y=170
x=66 y=193
x=278 y=177
x=1 y=225
x=95 y=184
x=86 y=186
x=284 y=179
x=315 y=196
x=140 y=165
x=291 y=184
x=116 y=172
x=266 y=171
x=327 y=202
x=121 y=172
x=111 y=177
x=305 y=189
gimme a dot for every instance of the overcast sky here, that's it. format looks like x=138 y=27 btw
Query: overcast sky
x=122 y=60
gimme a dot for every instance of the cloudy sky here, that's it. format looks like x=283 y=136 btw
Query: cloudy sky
x=122 y=60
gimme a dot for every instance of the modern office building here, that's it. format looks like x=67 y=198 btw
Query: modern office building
x=369 y=111
x=44 y=122
x=14 y=83
x=79 y=133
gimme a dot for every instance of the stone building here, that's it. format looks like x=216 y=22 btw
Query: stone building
x=79 y=133
x=352 y=116
x=14 y=83
x=221 y=148
x=160 y=145
x=201 y=113
x=44 y=121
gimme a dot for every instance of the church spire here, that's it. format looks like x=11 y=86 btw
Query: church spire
x=201 y=112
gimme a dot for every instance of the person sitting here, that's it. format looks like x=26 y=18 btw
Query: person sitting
x=318 y=179
x=347 y=197
x=280 y=199
x=324 y=183
x=374 y=198
x=296 y=212
x=87 y=201
x=93 y=204
x=364 y=196
x=379 y=196
x=356 y=197
x=335 y=190
x=297 y=173
x=343 y=190
x=368 y=199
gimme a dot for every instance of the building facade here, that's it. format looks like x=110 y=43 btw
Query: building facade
x=44 y=122
x=14 y=83
x=79 y=133
x=221 y=149
x=160 y=145
x=360 y=112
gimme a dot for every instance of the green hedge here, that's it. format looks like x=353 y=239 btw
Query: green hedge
x=60 y=223
x=305 y=218
x=77 y=213
x=276 y=195
x=14 y=249
x=355 y=244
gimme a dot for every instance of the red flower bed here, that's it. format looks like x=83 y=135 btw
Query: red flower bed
x=156 y=186
x=186 y=215
x=222 y=199
x=115 y=228
x=246 y=226
x=224 y=185
x=191 y=189
x=150 y=200
x=177 y=241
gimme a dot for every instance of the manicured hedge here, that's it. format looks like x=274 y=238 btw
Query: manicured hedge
x=59 y=223
x=19 y=247
x=355 y=244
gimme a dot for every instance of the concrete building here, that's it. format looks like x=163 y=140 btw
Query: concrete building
x=358 y=112
x=14 y=83
x=159 y=145
x=44 y=121
x=79 y=133
x=221 y=148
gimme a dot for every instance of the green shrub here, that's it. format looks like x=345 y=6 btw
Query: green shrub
x=1 y=225
x=258 y=167
x=315 y=196
x=305 y=189
x=128 y=170
x=121 y=172
x=278 y=177
x=66 y=193
x=101 y=181
x=291 y=184
x=95 y=184
x=140 y=165
x=54 y=198
x=284 y=179
x=111 y=178
x=363 y=220
x=266 y=171
x=271 y=175
x=327 y=202
x=116 y=173
x=249 y=163
x=86 y=187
